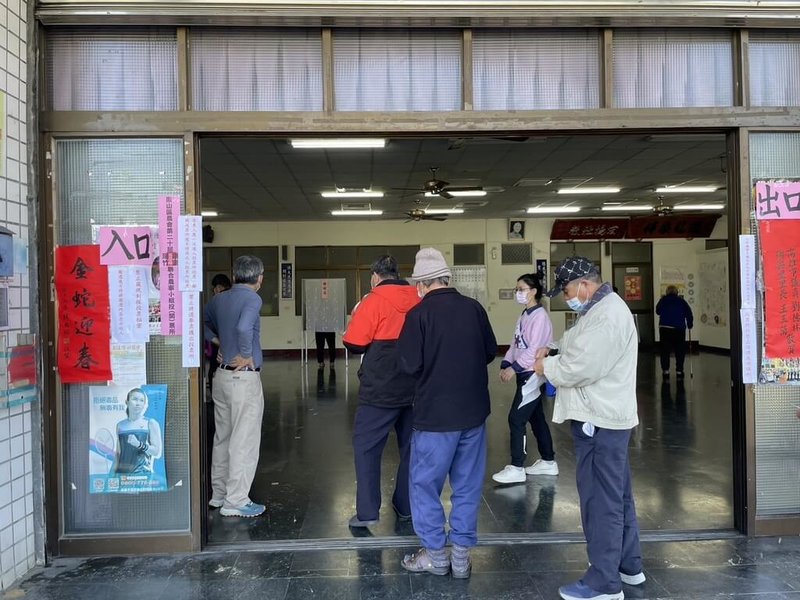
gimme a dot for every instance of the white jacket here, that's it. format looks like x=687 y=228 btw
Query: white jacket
x=595 y=369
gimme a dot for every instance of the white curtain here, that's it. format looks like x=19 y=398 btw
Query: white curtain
x=256 y=69
x=397 y=70
x=112 y=70
x=774 y=68
x=662 y=68
x=528 y=69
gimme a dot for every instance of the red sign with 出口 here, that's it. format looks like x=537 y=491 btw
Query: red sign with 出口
x=84 y=319
x=779 y=254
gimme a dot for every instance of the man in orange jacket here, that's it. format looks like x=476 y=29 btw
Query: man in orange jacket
x=385 y=395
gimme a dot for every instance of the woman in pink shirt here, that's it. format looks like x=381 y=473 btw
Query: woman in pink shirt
x=533 y=331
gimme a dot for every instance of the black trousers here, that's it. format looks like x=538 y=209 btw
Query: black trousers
x=518 y=419
x=325 y=336
x=672 y=340
x=370 y=431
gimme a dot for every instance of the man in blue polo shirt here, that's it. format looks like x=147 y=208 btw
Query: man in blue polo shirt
x=232 y=322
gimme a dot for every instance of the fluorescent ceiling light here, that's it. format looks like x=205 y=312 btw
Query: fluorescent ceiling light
x=462 y=193
x=538 y=210
x=356 y=213
x=209 y=213
x=336 y=194
x=338 y=143
x=589 y=190
x=627 y=207
x=686 y=189
x=444 y=211
x=699 y=207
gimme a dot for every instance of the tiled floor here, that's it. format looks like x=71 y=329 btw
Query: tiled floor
x=766 y=568
x=680 y=457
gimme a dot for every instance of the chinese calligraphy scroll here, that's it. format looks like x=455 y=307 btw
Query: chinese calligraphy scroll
x=779 y=253
x=169 y=208
x=84 y=324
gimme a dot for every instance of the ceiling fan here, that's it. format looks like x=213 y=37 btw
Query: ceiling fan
x=419 y=214
x=439 y=187
x=661 y=209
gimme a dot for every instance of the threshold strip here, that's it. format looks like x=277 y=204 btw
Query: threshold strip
x=488 y=539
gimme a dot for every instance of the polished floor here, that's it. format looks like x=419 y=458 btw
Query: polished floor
x=680 y=457
x=740 y=568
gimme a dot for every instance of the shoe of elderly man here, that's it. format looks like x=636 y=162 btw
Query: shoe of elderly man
x=581 y=591
x=356 y=522
x=249 y=510
x=510 y=474
x=435 y=562
x=543 y=467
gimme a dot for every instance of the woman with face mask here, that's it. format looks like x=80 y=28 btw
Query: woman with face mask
x=534 y=330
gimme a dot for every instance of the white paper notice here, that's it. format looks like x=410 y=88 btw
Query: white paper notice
x=190 y=251
x=192 y=329
x=128 y=291
x=128 y=364
x=749 y=346
x=747 y=269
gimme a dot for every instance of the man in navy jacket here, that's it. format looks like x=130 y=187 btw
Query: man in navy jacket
x=675 y=317
x=445 y=344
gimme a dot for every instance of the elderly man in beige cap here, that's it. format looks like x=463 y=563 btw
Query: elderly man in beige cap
x=445 y=345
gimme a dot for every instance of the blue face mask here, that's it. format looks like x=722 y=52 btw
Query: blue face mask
x=575 y=304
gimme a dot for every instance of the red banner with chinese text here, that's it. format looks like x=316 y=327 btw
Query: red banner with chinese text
x=589 y=229
x=779 y=254
x=84 y=320
x=671 y=226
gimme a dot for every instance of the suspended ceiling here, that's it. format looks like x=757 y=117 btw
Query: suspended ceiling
x=258 y=178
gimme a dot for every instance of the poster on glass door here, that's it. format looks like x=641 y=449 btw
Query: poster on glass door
x=126 y=439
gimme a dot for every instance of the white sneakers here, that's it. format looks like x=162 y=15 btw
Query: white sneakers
x=512 y=474
x=543 y=467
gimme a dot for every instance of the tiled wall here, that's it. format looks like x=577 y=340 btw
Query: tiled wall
x=20 y=501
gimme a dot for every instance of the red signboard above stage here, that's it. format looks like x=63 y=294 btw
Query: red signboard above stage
x=589 y=229
x=671 y=226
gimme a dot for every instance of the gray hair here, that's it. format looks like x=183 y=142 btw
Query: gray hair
x=247 y=269
x=445 y=281
x=593 y=276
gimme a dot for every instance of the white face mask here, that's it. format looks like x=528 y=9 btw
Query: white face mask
x=522 y=297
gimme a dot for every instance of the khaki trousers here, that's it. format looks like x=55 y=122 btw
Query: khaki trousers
x=238 y=410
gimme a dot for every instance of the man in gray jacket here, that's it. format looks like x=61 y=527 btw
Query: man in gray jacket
x=594 y=368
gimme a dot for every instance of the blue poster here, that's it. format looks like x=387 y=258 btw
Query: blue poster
x=126 y=441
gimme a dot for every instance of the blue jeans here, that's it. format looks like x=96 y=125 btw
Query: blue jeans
x=608 y=513
x=434 y=456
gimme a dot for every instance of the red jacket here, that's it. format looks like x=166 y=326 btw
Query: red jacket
x=375 y=326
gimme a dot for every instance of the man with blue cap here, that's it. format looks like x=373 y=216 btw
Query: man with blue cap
x=594 y=368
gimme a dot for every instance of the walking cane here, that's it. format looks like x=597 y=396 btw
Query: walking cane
x=691 y=367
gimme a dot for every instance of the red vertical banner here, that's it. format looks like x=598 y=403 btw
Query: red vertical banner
x=779 y=255
x=169 y=209
x=84 y=320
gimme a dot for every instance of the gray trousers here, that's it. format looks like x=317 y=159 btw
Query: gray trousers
x=238 y=410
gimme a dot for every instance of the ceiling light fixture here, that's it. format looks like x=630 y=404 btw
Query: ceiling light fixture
x=541 y=210
x=444 y=211
x=209 y=213
x=686 y=189
x=589 y=190
x=338 y=143
x=356 y=213
x=345 y=194
x=699 y=207
x=462 y=193
x=627 y=207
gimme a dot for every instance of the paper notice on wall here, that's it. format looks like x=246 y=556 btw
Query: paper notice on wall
x=126 y=246
x=192 y=329
x=747 y=269
x=777 y=200
x=128 y=294
x=749 y=346
x=190 y=249
x=128 y=364
x=168 y=212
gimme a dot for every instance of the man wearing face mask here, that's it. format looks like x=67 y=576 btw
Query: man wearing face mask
x=594 y=368
x=385 y=394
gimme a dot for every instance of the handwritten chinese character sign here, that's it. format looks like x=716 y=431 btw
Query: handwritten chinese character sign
x=84 y=323
x=169 y=209
x=780 y=253
x=126 y=246
x=777 y=200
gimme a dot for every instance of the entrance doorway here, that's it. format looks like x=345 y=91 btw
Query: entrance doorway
x=268 y=197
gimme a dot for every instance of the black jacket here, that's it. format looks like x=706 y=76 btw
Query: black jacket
x=445 y=344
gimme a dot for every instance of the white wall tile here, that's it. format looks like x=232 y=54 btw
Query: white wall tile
x=5 y=495
x=17 y=446
x=5 y=473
